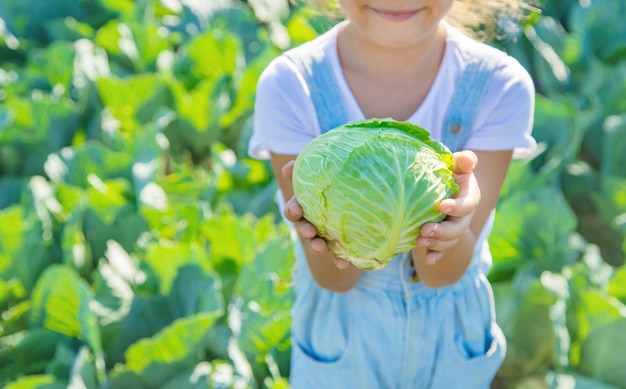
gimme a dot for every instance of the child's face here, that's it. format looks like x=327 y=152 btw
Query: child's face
x=396 y=23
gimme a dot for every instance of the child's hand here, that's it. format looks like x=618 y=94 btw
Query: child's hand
x=308 y=233
x=437 y=237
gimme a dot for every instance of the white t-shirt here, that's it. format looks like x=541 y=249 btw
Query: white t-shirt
x=285 y=119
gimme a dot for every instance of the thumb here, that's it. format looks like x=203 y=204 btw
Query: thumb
x=287 y=170
x=465 y=162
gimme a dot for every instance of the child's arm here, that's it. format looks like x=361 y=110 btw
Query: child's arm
x=328 y=271
x=445 y=249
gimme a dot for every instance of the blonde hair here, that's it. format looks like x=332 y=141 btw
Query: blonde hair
x=487 y=20
x=484 y=20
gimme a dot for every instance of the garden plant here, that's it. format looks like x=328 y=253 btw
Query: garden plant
x=140 y=246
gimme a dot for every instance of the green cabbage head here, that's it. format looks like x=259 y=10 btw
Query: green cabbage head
x=368 y=187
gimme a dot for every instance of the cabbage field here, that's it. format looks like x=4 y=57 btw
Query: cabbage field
x=140 y=246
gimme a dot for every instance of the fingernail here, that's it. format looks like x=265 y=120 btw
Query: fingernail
x=293 y=209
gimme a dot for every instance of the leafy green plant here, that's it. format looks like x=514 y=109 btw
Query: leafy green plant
x=139 y=244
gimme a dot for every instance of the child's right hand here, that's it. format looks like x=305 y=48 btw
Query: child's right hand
x=307 y=231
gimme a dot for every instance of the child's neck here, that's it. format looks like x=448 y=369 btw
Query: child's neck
x=366 y=56
x=386 y=82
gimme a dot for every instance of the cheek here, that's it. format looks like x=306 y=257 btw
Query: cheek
x=446 y=5
x=351 y=8
x=345 y=4
x=441 y=7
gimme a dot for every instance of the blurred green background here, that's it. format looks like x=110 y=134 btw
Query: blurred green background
x=140 y=246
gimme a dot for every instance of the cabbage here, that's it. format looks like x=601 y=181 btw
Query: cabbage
x=368 y=187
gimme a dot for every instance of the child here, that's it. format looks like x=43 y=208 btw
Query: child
x=427 y=319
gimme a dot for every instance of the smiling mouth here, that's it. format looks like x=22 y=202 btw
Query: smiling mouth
x=396 y=15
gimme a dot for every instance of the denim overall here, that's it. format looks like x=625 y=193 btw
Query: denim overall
x=388 y=331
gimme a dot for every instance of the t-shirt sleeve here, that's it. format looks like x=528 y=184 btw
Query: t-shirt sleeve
x=284 y=117
x=506 y=120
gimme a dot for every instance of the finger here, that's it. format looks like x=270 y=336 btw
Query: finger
x=465 y=161
x=306 y=230
x=432 y=257
x=451 y=228
x=293 y=212
x=287 y=170
x=466 y=201
x=319 y=245
x=459 y=207
x=429 y=230
x=436 y=244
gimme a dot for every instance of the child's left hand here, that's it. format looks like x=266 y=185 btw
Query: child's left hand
x=437 y=237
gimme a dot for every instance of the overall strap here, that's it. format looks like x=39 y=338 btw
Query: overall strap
x=469 y=91
x=309 y=59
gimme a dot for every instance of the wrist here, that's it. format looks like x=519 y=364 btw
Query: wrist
x=450 y=267
x=326 y=273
